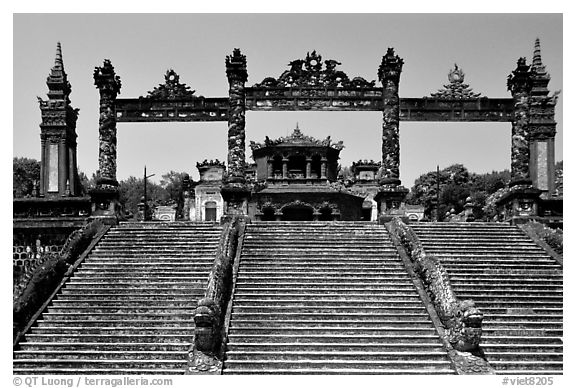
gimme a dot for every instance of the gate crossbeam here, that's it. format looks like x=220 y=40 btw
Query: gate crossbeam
x=314 y=99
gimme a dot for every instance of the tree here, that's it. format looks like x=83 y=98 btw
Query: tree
x=132 y=190
x=456 y=185
x=172 y=183
x=25 y=171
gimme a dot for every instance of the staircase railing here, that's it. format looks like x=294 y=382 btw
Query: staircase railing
x=461 y=320
x=209 y=334
x=35 y=289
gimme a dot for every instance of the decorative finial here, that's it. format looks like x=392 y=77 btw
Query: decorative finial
x=58 y=61
x=537 y=59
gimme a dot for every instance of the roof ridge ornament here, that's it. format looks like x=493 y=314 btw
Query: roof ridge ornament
x=172 y=89
x=313 y=72
x=456 y=89
x=297 y=137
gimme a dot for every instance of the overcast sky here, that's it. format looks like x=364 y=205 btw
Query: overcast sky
x=142 y=47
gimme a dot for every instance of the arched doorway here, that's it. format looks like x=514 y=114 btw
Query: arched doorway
x=268 y=214
x=297 y=213
x=210 y=211
x=326 y=214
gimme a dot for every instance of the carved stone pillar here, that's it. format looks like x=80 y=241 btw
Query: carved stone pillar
x=237 y=77
x=269 y=169
x=235 y=191
x=108 y=84
x=285 y=168
x=323 y=163
x=43 y=165
x=105 y=197
x=389 y=75
x=62 y=165
x=308 y=168
x=520 y=85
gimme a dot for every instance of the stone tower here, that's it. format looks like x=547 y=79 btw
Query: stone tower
x=58 y=170
x=542 y=126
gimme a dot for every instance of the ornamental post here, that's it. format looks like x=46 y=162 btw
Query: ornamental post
x=520 y=85
x=390 y=194
x=389 y=74
x=105 y=197
x=235 y=191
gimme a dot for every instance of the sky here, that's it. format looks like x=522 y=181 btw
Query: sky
x=143 y=46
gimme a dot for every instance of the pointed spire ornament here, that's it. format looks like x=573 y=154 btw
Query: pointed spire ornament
x=58 y=63
x=537 y=59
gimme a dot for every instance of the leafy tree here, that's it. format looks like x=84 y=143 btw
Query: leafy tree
x=132 y=191
x=25 y=171
x=172 y=183
x=456 y=185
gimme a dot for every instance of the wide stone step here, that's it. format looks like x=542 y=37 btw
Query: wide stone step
x=62 y=347
x=100 y=355
x=154 y=315
x=321 y=279
x=116 y=323
x=339 y=338
x=280 y=347
x=543 y=349
x=128 y=310
x=329 y=370
x=489 y=340
x=397 y=321
x=527 y=365
x=102 y=371
x=398 y=308
x=110 y=338
x=382 y=365
x=62 y=303
x=312 y=331
x=404 y=314
x=96 y=364
x=321 y=297
x=383 y=301
x=102 y=330
x=321 y=290
x=334 y=355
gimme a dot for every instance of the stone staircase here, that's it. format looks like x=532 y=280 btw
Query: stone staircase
x=328 y=298
x=129 y=308
x=514 y=282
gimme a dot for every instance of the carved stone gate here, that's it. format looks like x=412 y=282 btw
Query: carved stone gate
x=316 y=84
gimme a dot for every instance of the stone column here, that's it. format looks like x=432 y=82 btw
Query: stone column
x=389 y=75
x=43 y=171
x=308 y=168
x=235 y=191
x=108 y=84
x=237 y=77
x=285 y=168
x=520 y=84
x=323 y=162
x=390 y=192
x=105 y=197
x=62 y=165
x=269 y=169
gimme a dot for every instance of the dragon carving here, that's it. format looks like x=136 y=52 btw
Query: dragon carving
x=313 y=72
x=461 y=319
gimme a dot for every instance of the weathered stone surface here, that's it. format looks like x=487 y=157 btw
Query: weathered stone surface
x=237 y=76
x=389 y=75
x=520 y=85
x=108 y=84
